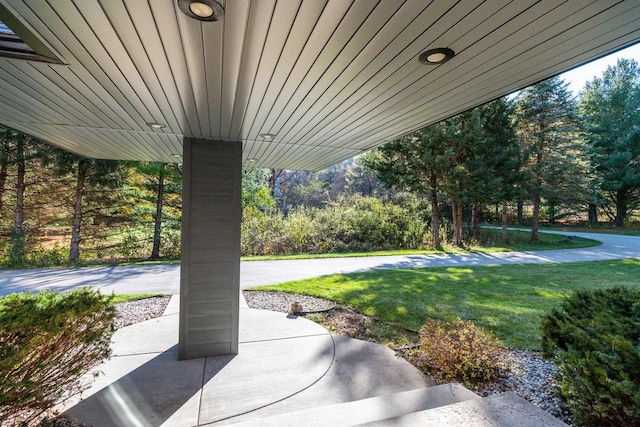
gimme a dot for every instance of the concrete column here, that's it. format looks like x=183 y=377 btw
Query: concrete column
x=210 y=260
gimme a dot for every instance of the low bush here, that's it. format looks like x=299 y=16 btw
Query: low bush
x=459 y=350
x=48 y=341
x=594 y=338
x=350 y=224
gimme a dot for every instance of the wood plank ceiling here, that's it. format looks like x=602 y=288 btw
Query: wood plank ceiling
x=329 y=78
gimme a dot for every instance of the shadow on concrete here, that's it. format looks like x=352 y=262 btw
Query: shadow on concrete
x=161 y=390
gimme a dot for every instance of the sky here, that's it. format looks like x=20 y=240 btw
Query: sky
x=579 y=76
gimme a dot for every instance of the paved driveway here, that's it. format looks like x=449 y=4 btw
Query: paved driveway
x=166 y=278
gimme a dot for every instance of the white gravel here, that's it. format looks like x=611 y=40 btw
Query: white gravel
x=130 y=312
x=281 y=301
x=532 y=378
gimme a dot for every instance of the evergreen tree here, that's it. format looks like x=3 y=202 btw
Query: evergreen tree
x=503 y=179
x=154 y=184
x=22 y=153
x=547 y=128
x=418 y=163
x=104 y=174
x=610 y=106
x=5 y=156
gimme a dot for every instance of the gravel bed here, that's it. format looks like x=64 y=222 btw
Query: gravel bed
x=532 y=378
x=130 y=312
x=281 y=301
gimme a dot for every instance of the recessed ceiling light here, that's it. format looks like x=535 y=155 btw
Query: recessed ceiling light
x=252 y=160
x=436 y=56
x=156 y=125
x=202 y=10
x=177 y=156
x=267 y=136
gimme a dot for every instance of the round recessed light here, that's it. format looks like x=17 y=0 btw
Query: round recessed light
x=156 y=125
x=252 y=160
x=436 y=56
x=202 y=10
x=267 y=136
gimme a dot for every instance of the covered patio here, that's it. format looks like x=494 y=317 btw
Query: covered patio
x=293 y=84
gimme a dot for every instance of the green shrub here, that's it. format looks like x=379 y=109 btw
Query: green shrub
x=594 y=338
x=18 y=248
x=48 y=341
x=54 y=257
x=349 y=224
x=459 y=350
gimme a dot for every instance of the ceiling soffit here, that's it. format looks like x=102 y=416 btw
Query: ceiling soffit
x=329 y=79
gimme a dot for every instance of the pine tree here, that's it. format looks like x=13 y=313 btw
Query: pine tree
x=418 y=163
x=88 y=173
x=611 y=109
x=547 y=129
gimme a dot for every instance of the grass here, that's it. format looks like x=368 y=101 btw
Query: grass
x=132 y=297
x=505 y=299
x=489 y=242
x=606 y=228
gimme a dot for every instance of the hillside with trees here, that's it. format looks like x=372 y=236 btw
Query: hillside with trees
x=542 y=155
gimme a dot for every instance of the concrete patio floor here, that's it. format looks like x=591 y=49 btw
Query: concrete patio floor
x=285 y=363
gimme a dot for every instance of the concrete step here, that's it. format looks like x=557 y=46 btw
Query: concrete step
x=371 y=409
x=500 y=410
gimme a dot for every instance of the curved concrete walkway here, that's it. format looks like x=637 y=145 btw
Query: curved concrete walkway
x=166 y=278
x=285 y=363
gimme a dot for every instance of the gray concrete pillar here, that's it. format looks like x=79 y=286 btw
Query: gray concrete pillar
x=210 y=260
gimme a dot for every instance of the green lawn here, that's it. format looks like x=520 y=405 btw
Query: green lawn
x=132 y=297
x=507 y=299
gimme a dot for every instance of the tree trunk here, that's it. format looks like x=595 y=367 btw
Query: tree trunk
x=273 y=180
x=621 y=208
x=435 y=214
x=157 y=229
x=20 y=187
x=456 y=213
x=552 y=212
x=505 y=236
x=474 y=222
x=593 y=214
x=3 y=180
x=460 y=221
x=520 y=214
x=535 y=219
x=74 y=247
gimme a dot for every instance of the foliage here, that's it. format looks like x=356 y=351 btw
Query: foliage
x=349 y=224
x=507 y=300
x=471 y=158
x=594 y=338
x=459 y=350
x=611 y=109
x=417 y=163
x=17 y=249
x=553 y=154
x=48 y=341
x=155 y=189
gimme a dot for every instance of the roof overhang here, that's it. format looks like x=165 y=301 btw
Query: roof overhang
x=329 y=79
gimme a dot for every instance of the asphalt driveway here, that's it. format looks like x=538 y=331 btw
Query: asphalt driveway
x=166 y=278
